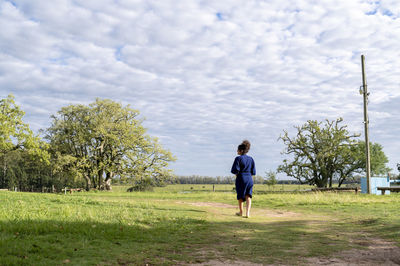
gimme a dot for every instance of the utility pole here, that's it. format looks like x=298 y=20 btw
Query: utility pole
x=366 y=122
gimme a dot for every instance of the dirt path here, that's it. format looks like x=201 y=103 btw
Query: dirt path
x=223 y=263
x=220 y=207
x=377 y=251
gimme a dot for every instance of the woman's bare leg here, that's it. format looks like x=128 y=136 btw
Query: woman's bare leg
x=248 y=205
x=240 y=207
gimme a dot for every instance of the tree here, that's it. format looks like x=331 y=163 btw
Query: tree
x=257 y=179
x=323 y=153
x=378 y=158
x=148 y=163
x=70 y=141
x=398 y=168
x=105 y=140
x=356 y=161
x=17 y=142
x=270 y=178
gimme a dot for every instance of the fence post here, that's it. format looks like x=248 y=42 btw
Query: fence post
x=65 y=191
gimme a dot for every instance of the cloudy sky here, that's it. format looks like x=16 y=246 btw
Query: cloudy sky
x=207 y=74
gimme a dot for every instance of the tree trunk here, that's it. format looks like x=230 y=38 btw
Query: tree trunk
x=107 y=183
x=321 y=182
x=93 y=180
x=341 y=180
x=100 y=179
x=3 y=183
x=88 y=182
x=326 y=181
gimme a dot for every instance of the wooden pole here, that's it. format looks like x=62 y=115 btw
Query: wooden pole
x=366 y=122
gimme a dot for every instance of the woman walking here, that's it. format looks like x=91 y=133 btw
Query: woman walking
x=244 y=168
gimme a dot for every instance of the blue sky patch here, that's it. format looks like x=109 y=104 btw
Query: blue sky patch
x=372 y=12
x=388 y=13
x=118 y=52
x=12 y=2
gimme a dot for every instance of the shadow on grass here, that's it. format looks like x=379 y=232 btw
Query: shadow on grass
x=287 y=242
x=388 y=229
x=53 y=242
x=49 y=242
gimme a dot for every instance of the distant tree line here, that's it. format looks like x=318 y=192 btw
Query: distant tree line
x=85 y=146
x=230 y=180
x=269 y=179
x=197 y=179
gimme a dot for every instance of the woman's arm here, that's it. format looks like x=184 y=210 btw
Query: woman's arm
x=253 y=168
x=235 y=167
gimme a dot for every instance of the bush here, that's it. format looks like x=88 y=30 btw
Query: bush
x=142 y=185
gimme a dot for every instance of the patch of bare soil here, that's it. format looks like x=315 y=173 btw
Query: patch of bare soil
x=257 y=212
x=203 y=255
x=212 y=204
x=224 y=263
x=273 y=213
x=379 y=252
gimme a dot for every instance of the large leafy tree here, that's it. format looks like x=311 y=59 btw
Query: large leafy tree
x=18 y=145
x=321 y=153
x=69 y=138
x=14 y=133
x=105 y=140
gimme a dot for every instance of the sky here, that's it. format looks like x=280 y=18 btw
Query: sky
x=207 y=74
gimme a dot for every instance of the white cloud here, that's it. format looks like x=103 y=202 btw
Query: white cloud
x=207 y=74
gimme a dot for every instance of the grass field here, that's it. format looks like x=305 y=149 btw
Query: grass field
x=189 y=224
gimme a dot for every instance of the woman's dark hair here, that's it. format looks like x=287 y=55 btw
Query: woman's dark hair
x=244 y=147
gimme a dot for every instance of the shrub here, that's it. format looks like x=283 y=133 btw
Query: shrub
x=142 y=185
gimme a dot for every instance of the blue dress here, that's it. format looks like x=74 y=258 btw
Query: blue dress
x=244 y=167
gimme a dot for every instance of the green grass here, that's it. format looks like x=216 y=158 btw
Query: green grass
x=177 y=224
